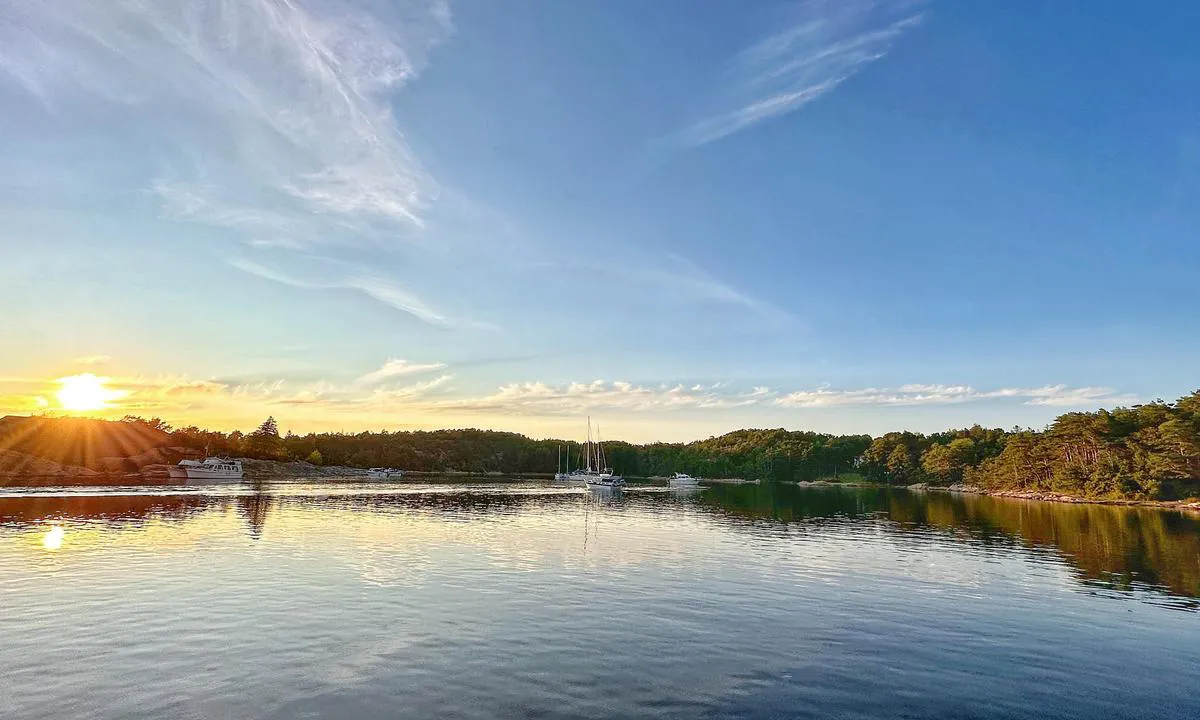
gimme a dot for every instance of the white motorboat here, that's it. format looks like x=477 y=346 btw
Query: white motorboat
x=380 y=473
x=683 y=480
x=211 y=469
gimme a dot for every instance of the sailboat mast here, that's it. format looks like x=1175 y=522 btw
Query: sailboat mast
x=599 y=451
x=589 y=443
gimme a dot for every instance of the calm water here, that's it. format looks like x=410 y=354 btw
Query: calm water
x=341 y=600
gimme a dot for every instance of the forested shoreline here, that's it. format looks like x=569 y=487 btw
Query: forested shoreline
x=1149 y=451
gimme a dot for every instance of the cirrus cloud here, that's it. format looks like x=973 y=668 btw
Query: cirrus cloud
x=826 y=44
x=395 y=368
x=917 y=394
x=270 y=120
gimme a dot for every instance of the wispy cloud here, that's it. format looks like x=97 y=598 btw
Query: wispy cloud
x=388 y=293
x=686 y=276
x=827 y=43
x=92 y=360
x=279 y=108
x=1052 y=395
x=388 y=398
x=395 y=368
x=268 y=118
x=673 y=278
x=371 y=285
x=536 y=398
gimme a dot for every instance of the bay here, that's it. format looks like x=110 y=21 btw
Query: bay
x=338 y=599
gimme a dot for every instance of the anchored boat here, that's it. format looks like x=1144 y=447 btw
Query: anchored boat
x=561 y=469
x=594 y=474
x=683 y=480
x=211 y=469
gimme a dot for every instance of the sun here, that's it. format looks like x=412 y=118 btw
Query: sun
x=82 y=393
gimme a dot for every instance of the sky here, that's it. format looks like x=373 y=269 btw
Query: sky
x=848 y=216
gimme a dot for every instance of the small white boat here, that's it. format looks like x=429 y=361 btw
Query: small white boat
x=683 y=480
x=211 y=469
x=385 y=474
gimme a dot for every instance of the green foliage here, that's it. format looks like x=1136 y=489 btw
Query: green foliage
x=153 y=423
x=1147 y=451
x=265 y=441
x=766 y=454
x=314 y=458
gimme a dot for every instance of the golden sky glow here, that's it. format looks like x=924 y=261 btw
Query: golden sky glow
x=397 y=396
x=427 y=395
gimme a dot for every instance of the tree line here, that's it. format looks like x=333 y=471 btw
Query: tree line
x=1147 y=451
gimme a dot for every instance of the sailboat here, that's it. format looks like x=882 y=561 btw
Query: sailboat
x=561 y=470
x=594 y=474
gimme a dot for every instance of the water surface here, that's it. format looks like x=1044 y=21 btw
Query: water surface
x=527 y=600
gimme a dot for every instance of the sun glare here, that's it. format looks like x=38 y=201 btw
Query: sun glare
x=81 y=393
x=53 y=539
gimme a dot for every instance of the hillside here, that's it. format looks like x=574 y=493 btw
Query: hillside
x=44 y=445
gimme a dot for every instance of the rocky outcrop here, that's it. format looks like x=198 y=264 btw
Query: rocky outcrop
x=1047 y=496
x=97 y=445
x=16 y=465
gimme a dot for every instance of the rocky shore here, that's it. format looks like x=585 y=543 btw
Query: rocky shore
x=1045 y=496
x=831 y=483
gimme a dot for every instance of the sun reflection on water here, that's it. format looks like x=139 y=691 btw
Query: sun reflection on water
x=53 y=539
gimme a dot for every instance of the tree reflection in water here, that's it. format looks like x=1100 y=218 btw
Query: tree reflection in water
x=1115 y=547
x=1112 y=547
x=255 y=507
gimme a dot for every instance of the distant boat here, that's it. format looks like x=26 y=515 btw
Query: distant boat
x=561 y=469
x=604 y=480
x=594 y=474
x=385 y=473
x=212 y=469
x=683 y=480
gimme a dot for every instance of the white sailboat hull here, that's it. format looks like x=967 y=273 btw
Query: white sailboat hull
x=601 y=481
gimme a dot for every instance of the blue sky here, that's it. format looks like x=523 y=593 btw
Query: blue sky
x=681 y=219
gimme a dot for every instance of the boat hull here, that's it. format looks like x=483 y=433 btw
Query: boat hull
x=604 y=483
x=202 y=475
